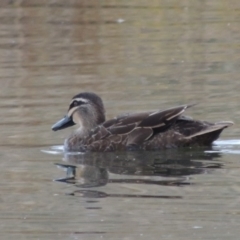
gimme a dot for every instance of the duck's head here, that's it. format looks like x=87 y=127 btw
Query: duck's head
x=86 y=109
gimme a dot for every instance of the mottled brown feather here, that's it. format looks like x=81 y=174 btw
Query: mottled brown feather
x=139 y=135
x=122 y=129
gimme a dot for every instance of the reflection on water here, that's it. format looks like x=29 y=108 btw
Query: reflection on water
x=137 y=55
x=84 y=176
x=99 y=194
x=93 y=169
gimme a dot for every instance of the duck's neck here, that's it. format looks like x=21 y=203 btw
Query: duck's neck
x=83 y=131
x=74 y=141
x=86 y=124
x=89 y=121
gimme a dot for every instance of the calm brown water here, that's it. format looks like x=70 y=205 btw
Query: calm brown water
x=137 y=55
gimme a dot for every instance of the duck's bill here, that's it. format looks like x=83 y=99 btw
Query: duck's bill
x=70 y=170
x=63 y=123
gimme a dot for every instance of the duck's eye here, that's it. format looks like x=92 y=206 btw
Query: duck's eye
x=75 y=103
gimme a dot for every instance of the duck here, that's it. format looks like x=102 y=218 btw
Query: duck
x=147 y=131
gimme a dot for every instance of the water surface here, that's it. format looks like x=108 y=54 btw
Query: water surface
x=136 y=55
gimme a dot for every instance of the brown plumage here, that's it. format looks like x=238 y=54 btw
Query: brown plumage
x=152 y=130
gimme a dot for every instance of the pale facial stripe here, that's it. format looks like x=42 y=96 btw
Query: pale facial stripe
x=79 y=100
x=72 y=110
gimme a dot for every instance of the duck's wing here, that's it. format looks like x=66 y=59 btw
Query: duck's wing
x=163 y=118
x=126 y=119
x=141 y=126
x=155 y=122
x=152 y=119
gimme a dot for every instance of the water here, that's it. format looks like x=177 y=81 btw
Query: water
x=136 y=55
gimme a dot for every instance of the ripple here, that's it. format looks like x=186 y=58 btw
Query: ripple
x=232 y=142
x=226 y=146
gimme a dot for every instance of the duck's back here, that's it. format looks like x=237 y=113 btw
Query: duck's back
x=148 y=131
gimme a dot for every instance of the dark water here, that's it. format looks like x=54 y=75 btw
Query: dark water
x=137 y=55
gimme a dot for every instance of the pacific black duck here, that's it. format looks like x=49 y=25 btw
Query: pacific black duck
x=152 y=130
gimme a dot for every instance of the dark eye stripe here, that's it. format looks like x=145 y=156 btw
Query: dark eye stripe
x=76 y=103
x=80 y=102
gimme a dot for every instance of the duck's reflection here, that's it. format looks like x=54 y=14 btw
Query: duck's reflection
x=100 y=194
x=171 y=168
x=84 y=176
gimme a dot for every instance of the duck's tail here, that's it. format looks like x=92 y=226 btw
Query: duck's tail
x=208 y=135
